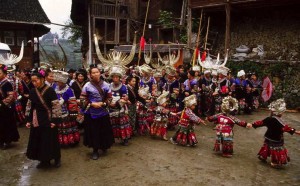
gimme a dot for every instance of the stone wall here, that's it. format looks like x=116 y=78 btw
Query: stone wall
x=278 y=30
x=284 y=76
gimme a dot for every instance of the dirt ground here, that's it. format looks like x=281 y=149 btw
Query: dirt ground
x=148 y=161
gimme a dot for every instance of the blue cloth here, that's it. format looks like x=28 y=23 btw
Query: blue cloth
x=148 y=83
x=189 y=84
x=66 y=96
x=93 y=95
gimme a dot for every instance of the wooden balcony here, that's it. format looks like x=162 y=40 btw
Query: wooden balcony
x=100 y=9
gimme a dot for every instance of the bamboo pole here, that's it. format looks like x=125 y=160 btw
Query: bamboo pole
x=206 y=33
x=140 y=50
x=198 y=38
x=227 y=33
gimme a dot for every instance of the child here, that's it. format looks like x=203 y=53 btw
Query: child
x=224 y=128
x=159 y=127
x=274 y=143
x=142 y=111
x=185 y=134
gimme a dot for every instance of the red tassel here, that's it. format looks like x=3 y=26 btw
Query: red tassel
x=142 y=43
x=203 y=57
x=197 y=53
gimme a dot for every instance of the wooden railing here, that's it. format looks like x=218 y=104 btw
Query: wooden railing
x=109 y=10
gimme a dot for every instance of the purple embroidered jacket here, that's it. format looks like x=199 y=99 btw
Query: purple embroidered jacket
x=91 y=94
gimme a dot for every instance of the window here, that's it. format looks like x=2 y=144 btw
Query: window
x=21 y=36
x=9 y=37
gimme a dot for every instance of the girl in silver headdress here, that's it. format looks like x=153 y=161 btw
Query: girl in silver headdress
x=68 y=133
x=224 y=128
x=185 y=134
x=159 y=126
x=143 y=110
x=274 y=142
x=118 y=107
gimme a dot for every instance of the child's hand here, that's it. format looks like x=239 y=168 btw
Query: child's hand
x=297 y=132
x=28 y=125
x=165 y=111
x=52 y=125
x=173 y=114
x=203 y=122
x=249 y=125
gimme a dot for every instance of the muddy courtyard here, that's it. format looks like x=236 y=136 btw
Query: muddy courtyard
x=148 y=161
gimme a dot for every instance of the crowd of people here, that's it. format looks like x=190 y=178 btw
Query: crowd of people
x=112 y=104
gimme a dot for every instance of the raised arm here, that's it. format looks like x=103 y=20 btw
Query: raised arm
x=193 y=117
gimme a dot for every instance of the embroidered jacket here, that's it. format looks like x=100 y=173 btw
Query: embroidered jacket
x=275 y=128
x=225 y=123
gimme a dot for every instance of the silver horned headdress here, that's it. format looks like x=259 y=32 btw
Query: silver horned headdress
x=278 y=106
x=229 y=104
x=11 y=59
x=116 y=61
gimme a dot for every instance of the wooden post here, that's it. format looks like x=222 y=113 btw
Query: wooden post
x=90 y=35
x=128 y=31
x=145 y=22
x=227 y=32
x=105 y=36
x=117 y=29
x=189 y=28
x=207 y=30
x=198 y=39
x=183 y=12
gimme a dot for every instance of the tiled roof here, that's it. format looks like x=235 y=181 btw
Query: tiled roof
x=23 y=10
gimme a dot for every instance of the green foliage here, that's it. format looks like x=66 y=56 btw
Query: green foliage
x=166 y=19
x=183 y=38
x=72 y=30
x=247 y=66
x=279 y=69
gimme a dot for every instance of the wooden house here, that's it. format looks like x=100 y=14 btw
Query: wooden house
x=117 y=20
x=23 y=21
x=272 y=24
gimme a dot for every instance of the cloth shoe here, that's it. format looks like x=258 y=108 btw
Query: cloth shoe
x=43 y=164
x=172 y=141
x=57 y=163
x=95 y=155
